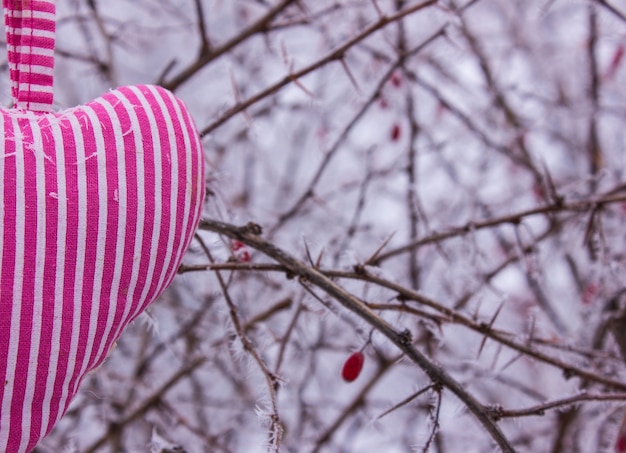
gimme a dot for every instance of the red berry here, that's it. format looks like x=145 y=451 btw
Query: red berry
x=237 y=245
x=620 y=445
x=589 y=293
x=539 y=193
x=395 y=132
x=353 y=366
x=245 y=256
x=396 y=79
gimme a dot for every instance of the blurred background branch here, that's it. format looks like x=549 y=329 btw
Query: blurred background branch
x=440 y=187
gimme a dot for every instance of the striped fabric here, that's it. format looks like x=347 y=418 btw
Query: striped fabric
x=97 y=207
x=30 y=45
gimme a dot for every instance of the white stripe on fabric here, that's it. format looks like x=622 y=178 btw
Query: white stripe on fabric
x=32 y=14
x=122 y=208
x=141 y=204
x=36 y=69
x=25 y=31
x=60 y=271
x=158 y=206
x=16 y=314
x=36 y=106
x=188 y=174
x=35 y=357
x=173 y=153
x=193 y=185
x=41 y=51
x=42 y=15
x=96 y=297
x=29 y=87
x=81 y=241
x=195 y=137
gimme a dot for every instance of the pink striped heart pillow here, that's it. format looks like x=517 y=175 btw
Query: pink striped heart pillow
x=97 y=207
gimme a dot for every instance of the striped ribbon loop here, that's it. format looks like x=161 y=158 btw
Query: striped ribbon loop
x=30 y=32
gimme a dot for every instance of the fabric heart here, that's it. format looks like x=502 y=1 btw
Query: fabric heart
x=98 y=205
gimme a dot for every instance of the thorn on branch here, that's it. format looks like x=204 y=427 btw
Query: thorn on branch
x=378 y=10
x=318 y=262
x=346 y=68
x=371 y=259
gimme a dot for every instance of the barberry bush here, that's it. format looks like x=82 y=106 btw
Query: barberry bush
x=414 y=236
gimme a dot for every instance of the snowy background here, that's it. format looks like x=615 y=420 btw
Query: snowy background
x=480 y=143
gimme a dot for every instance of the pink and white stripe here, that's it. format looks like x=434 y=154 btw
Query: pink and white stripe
x=98 y=205
x=30 y=30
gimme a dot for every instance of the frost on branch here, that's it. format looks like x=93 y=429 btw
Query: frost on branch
x=457 y=170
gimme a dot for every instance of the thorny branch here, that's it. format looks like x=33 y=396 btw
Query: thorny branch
x=209 y=55
x=402 y=339
x=335 y=55
x=447 y=315
x=273 y=381
x=581 y=206
x=540 y=409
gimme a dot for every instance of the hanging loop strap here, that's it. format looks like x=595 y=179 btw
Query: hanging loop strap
x=30 y=30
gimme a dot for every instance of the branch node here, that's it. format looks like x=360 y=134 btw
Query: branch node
x=251 y=228
x=406 y=337
x=402 y=298
x=496 y=412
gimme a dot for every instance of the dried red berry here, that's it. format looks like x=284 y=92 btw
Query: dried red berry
x=395 y=132
x=237 y=245
x=353 y=366
x=396 y=79
x=245 y=256
x=620 y=445
x=589 y=293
